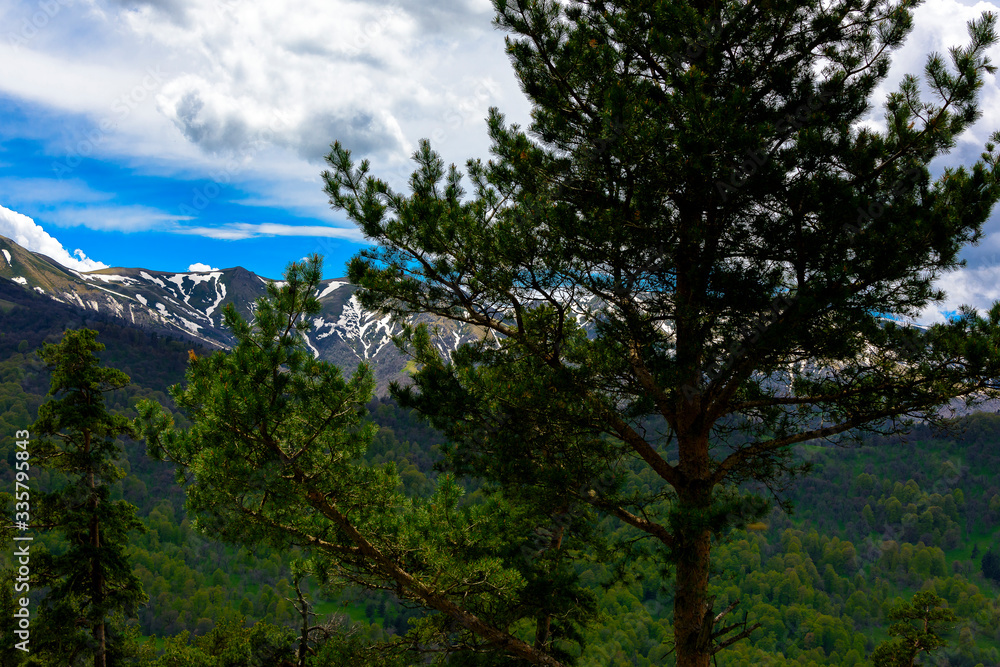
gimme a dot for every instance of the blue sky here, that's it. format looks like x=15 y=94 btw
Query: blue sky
x=166 y=133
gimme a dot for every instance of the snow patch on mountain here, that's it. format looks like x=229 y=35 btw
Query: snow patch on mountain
x=152 y=279
x=305 y=337
x=109 y=278
x=7 y=255
x=319 y=324
x=191 y=326
x=330 y=288
x=358 y=326
x=179 y=280
x=203 y=277
x=220 y=293
x=278 y=283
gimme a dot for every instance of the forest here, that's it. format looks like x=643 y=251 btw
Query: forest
x=698 y=424
x=872 y=524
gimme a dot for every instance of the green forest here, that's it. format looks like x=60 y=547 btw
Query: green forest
x=697 y=422
x=872 y=524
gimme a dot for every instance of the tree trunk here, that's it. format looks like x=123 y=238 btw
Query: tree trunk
x=543 y=624
x=97 y=583
x=691 y=608
x=96 y=576
x=693 y=545
x=304 y=635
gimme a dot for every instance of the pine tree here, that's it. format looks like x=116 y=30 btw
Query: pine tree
x=91 y=584
x=917 y=627
x=275 y=456
x=687 y=265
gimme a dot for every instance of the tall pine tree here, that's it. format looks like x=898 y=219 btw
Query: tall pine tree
x=91 y=583
x=690 y=262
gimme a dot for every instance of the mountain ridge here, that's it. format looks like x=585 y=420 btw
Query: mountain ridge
x=189 y=304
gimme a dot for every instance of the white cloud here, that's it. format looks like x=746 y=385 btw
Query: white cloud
x=23 y=231
x=233 y=231
x=940 y=25
x=198 y=267
x=129 y=218
x=162 y=77
x=979 y=288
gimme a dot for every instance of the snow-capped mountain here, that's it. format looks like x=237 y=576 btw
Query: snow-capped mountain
x=190 y=305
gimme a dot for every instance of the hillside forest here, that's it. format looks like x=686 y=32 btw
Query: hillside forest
x=873 y=524
x=695 y=421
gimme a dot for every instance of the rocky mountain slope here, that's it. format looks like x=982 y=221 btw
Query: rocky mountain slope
x=190 y=305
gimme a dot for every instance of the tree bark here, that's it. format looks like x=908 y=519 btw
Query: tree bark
x=543 y=625
x=96 y=577
x=693 y=545
x=691 y=613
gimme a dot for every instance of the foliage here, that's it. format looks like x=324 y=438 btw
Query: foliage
x=230 y=644
x=275 y=456
x=821 y=581
x=640 y=258
x=92 y=579
x=917 y=627
x=991 y=565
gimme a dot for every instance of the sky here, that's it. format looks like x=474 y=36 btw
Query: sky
x=171 y=134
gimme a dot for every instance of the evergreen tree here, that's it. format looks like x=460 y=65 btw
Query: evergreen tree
x=917 y=626
x=275 y=456
x=91 y=583
x=687 y=264
x=991 y=565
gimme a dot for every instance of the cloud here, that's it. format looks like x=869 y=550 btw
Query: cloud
x=443 y=16
x=23 y=231
x=236 y=231
x=207 y=118
x=365 y=132
x=127 y=218
x=175 y=10
x=979 y=288
x=181 y=89
x=198 y=267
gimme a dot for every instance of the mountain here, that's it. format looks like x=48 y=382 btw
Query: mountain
x=190 y=305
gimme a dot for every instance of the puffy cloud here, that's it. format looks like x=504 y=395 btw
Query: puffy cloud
x=23 y=231
x=199 y=267
x=979 y=288
x=376 y=76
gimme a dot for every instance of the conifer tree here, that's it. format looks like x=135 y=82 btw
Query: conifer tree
x=275 y=455
x=689 y=262
x=991 y=565
x=916 y=627
x=91 y=584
